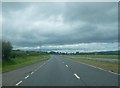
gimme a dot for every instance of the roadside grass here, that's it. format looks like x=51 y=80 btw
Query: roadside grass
x=105 y=65
x=97 y=56
x=104 y=56
x=21 y=62
x=0 y=68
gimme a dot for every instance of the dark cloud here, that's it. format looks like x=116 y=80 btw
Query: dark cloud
x=29 y=24
x=92 y=12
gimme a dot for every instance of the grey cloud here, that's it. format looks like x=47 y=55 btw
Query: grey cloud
x=41 y=10
x=92 y=12
x=28 y=24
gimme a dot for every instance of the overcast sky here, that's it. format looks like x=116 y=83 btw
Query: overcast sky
x=89 y=26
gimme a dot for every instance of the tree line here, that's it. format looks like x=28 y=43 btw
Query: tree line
x=7 y=52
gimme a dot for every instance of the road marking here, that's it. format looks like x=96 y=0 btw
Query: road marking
x=76 y=76
x=113 y=72
x=101 y=69
x=95 y=67
x=66 y=65
x=26 y=77
x=32 y=72
x=92 y=66
x=62 y=62
x=18 y=83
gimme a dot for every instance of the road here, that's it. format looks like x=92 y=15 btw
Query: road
x=62 y=71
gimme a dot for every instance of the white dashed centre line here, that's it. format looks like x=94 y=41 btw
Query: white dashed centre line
x=26 y=77
x=35 y=69
x=32 y=72
x=76 y=76
x=18 y=83
x=66 y=65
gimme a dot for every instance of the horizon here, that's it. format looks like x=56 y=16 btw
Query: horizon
x=69 y=27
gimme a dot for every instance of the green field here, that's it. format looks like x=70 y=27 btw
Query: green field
x=105 y=65
x=97 y=56
x=103 y=56
x=19 y=62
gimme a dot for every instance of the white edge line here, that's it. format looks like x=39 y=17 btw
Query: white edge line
x=101 y=68
x=92 y=66
x=76 y=76
x=96 y=67
x=19 y=83
x=113 y=72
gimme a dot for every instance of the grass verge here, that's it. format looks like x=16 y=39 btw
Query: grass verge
x=97 y=56
x=0 y=68
x=104 y=56
x=105 y=65
x=21 y=62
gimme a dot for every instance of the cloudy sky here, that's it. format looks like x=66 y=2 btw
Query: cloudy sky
x=65 y=26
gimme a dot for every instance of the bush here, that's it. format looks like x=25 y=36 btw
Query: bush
x=6 y=50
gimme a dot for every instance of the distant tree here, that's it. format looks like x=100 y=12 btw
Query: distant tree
x=77 y=53
x=6 y=49
x=52 y=52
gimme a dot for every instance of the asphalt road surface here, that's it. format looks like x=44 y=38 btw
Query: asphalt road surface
x=62 y=71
